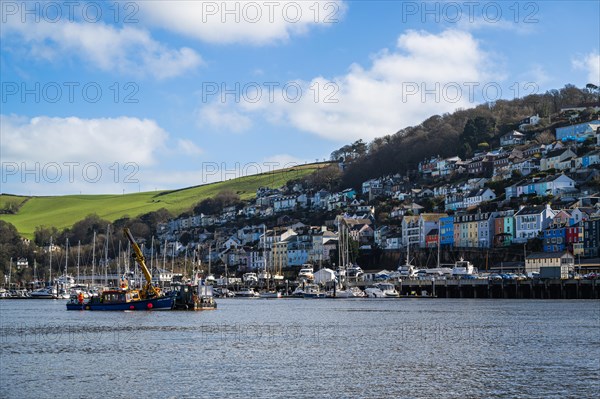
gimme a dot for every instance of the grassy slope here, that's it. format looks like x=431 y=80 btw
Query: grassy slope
x=64 y=211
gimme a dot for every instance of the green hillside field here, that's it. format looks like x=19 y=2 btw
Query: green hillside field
x=64 y=211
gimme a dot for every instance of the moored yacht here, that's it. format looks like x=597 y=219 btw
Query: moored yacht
x=313 y=291
x=44 y=293
x=270 y=294
x=463 y=268
x=388 y=290
x=247 y=293
x=349 y=292
x=306 y=272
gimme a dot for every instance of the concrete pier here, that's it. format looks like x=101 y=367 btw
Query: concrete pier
x=502 y=289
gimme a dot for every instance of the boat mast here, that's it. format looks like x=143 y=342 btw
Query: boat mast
x=268 y=274
x=438 y=251
x=209 y=257
x=152 y=255
x=78 y=258
x=172 y=258
x=128 y=255
x=9 y=273
x=66 y=258
x=119 y=261
x=106 y=256
x=185 y=262
x=94 y=259
x=165 y=256
x=50 y=261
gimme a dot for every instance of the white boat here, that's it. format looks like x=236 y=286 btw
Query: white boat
x=66 y=281
x=298 y=292
x=313 y=291
x=63 y=294
x=264 y=275
x=463 y=268
x=270 y=294
x=389 y=291
x=407 y=270
x=306 y=273
x=247 y=293
x=43 y=293
x=435 y=272
x=382 y=290
x=250 y=278
x=350 y=292
x=354 y=271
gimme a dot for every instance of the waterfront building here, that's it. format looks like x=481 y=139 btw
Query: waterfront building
x=536 y=260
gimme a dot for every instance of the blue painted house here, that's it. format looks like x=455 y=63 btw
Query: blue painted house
x=447 y=231
x=579 y=130
x=555 y=239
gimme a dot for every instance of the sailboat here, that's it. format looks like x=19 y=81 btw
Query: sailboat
x=265 y=275
x=210 y=278
x=44 y=292
x=345 y=291
x=407 y=269
x=65 y=282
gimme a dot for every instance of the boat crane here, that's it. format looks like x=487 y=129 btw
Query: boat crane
x=148 y=290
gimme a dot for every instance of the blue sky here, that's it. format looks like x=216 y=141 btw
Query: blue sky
x=112 y=97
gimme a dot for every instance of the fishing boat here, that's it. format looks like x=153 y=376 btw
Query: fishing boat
x=197 y=295
x=148 y=297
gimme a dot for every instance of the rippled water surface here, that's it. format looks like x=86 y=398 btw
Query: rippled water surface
x=407 y=348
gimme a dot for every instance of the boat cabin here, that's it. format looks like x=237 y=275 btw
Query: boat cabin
x=119 y=296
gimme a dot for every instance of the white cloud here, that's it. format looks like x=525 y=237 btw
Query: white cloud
x=591 y=64
x=127 y=50
x=480 y=23
x=188 y=147
x=220 y=116
x=391 y=94
x=281 y=161
x=46 y=155
x=103 y=140
x=241 y=21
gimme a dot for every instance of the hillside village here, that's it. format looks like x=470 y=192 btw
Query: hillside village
x=537 y=196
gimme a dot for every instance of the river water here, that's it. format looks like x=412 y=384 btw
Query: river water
x=295 y=348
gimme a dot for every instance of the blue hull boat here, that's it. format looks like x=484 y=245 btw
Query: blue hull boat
x=161 y=303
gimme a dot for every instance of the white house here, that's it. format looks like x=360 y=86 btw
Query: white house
x=284 y=203
x=553 y=159
x=512 y=138
x=530 y=121
x=531 y=220
x=476 y=197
